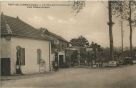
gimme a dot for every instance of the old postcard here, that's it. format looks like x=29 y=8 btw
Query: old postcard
x=68 y=44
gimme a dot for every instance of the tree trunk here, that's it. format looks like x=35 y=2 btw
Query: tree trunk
x=122 y=32
x=131 y=41
x=130 y=25
x=110 y=29
x=122 y=35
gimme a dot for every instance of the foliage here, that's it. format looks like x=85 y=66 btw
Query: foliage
x=97 y=50
x=80 y=42
x=96 y=47
x=126 y=10
x=121 y=9
x=77 y=6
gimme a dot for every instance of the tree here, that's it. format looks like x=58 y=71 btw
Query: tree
x=77 y=6
x=97 y=49
x=126 y=10
x=120 y=8
x=80 y=42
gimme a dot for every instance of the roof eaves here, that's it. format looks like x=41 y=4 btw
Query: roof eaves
x=57 y=36
x=24 y=36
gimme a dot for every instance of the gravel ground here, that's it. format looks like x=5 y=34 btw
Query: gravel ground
x=121 y=77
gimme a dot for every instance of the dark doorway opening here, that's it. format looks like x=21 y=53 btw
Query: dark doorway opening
x=5 y=66
x=61 y=64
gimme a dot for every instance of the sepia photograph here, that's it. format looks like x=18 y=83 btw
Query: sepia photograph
x=68 y=44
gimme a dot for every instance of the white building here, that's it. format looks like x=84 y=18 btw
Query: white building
x=23 y=48
x=58 y=47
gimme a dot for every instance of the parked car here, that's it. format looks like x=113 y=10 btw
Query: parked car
x=134 y=61
x=113 y=64
x=127 y=60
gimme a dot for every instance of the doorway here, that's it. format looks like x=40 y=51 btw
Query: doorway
x=5 y=66
x=61 y=57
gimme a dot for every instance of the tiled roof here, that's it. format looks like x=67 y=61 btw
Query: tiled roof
x=51 y=34
x=17 y=27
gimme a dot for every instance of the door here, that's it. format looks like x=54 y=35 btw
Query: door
x=5 y=66
x=60 y=60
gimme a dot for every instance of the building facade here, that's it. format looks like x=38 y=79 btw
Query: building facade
x=23 y=49
x=58 y=47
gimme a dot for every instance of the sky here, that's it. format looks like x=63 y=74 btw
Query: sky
x=90 y=22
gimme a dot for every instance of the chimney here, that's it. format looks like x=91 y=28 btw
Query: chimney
x=2 y=14
x=17 y=17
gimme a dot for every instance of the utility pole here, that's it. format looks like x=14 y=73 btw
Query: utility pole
x=110 y=23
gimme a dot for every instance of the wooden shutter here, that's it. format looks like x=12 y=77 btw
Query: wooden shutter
x=38 y=56
x=22 y=56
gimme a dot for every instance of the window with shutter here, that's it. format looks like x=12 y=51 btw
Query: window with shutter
x=22 y=56
x=38 y=56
